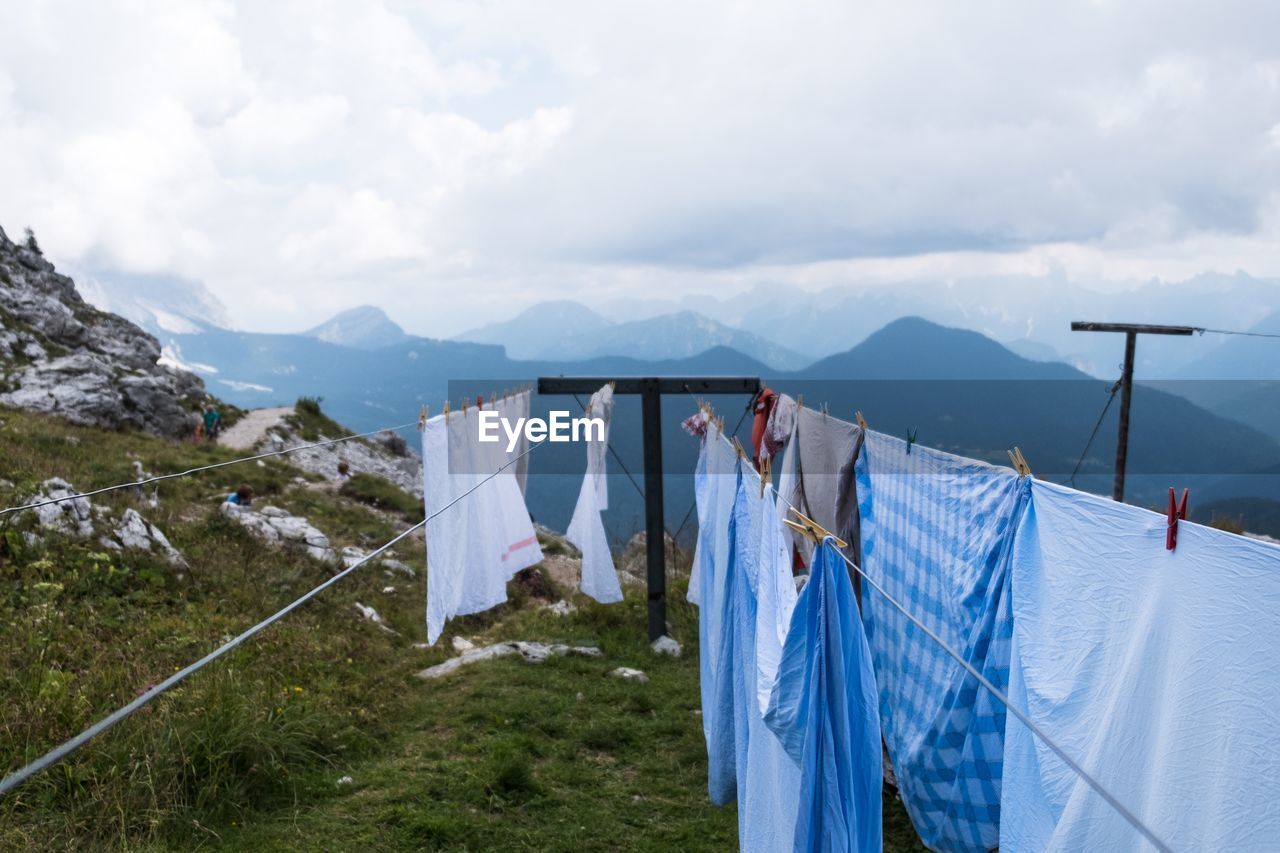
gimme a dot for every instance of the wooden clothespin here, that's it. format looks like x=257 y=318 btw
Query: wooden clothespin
x=446 y=409
x=862 y=422
x=493 y=399
x=1177 y=512
x=766 y=470
x=911 y=439
x=613 y=385
x=464 y=407
x=812 y=529
x=422 y=419
x=720 y=425
x=799 y=401
x=737 y=445
x=1019 y=462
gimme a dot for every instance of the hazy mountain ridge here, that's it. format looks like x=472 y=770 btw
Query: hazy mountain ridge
x=568 y=331
x=364 y=327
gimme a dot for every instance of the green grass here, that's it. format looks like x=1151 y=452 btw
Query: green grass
x=310 y=423
x=380 y=493
x=248 y=753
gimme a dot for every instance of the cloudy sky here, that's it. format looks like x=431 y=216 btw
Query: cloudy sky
x=453 y=162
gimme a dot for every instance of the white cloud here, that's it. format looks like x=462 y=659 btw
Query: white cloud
x=454 y=160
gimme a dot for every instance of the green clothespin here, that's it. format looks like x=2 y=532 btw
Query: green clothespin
x=911 y=439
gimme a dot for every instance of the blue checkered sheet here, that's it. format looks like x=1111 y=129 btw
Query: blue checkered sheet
x=937 y=535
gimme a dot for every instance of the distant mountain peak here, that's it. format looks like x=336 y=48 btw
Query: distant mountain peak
x=362 y=327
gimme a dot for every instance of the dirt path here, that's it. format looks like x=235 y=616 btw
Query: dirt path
x=250 y=429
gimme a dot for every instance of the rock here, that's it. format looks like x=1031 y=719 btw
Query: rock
x=372 y=457
x=628 y=674
x=274 y=525
x=136 y=532
x=351 y=556
x=633 y=565
x=388 y=590
x=531 y=652
x=393 y=566
x=74 y=516
x=562 y=608
x=664 y=645
x=461 y=645
x=375 y=617
x=344 y=781
x=59 y=355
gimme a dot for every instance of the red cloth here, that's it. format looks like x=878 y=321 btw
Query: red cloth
x=764 y=407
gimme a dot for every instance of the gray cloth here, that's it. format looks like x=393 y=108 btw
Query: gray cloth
x=822 y=482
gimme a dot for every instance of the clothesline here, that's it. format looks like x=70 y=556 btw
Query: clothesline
x=60 y=752
x=1093 y=783
x=137 y=484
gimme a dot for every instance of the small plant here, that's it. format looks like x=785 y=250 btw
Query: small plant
x=31 y=242
x=510 y=774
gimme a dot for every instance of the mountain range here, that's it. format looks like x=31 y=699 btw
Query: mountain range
x=961 y=390
x=568 y=331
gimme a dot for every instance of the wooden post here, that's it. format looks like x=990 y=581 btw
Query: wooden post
x=1131 y=332
x=651 y=390
x=655 y=530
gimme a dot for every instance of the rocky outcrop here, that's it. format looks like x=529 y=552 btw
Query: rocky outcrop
x=276 y=526
x=78 y=517
x=379 y=457
x=61 y=356
x=531 y=652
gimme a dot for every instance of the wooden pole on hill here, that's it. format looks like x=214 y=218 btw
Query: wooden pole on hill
x=1131 y=332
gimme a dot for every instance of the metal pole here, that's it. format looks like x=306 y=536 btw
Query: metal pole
x=1126 y=394
x=651 y=406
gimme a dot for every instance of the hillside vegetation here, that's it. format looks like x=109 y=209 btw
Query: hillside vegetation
x=317 y=734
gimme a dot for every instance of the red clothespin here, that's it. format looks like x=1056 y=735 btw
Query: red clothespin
x=1177 y=512
x=479 y=401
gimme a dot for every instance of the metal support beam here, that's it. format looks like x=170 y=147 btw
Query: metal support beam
x=655 y=530
x=1131 y=332
x=651 y=389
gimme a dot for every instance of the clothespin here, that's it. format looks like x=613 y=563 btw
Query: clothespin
x=479 y=401
x=446 y=409
x=422 y=419
x=720 y=425
x=464 y=407
x=766 y=469
x=493 y=399
x=812 y=529
x=613 y=385
x=799 y=401
x=862 y=422
x=737 y=445
x=824 y=410
x=911 y=439
x=1019 y=462
x=1177 y=512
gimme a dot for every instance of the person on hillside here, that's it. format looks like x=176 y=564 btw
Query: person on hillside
x=212 y=423
x=242 y=496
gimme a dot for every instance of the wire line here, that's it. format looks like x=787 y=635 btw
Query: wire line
x=1106 y=795
x=1243 y=334
x=140 y=483
x=67 y=747
x=1110 y=399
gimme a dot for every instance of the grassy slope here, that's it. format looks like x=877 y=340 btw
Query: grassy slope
x=247 y=754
